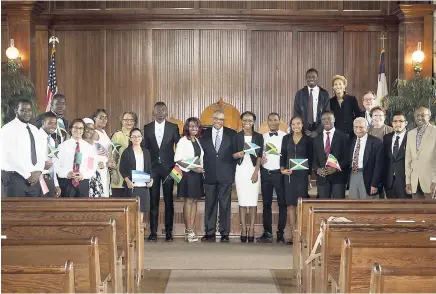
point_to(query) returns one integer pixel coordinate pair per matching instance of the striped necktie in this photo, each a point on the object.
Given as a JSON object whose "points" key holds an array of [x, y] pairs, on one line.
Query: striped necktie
{"points": [[217, 141]]}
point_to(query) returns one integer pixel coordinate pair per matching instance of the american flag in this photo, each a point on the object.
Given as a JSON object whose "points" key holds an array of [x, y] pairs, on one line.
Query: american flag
{"points": [[100, 149], [52, 86]]}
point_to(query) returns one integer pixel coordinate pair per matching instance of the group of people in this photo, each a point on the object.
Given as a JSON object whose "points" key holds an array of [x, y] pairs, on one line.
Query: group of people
{"points": [[52, 157]]}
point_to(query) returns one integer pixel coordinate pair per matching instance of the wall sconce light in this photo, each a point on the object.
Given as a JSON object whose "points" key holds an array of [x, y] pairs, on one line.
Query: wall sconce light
{"points": [[417, 58], [12, 52]]}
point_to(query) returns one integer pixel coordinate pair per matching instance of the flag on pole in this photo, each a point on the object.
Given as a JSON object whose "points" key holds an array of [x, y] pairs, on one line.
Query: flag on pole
{"points": [[270, 148], [250, 148], [333, 162], [382, 86], [140, 177], [52, 84], [298, 164], [176, 173]]}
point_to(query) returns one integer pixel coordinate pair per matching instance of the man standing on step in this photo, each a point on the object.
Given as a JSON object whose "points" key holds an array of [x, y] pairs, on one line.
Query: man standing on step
{"points": [[219, 175], [160, 137], [272, 179]]}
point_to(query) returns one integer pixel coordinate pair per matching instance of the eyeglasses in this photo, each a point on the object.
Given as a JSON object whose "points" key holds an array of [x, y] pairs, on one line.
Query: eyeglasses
{"points": [[136, 137], [128, 120], [78, 128], [368, 100]]}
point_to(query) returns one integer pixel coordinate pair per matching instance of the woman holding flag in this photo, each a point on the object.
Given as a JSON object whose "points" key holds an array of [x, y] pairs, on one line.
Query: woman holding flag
{"points": [[135, 168], [295, 165], [189, 158], [248, 150]]}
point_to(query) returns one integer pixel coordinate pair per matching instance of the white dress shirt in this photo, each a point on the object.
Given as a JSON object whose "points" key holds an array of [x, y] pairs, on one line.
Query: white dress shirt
{"points": [[220, 134], [361, 150], [139, 158], [159, 129], [49, 139], [64, 163], [315, 95], [273, 161], [16, 152], [368, 117], [399, 140], [331, 133]]}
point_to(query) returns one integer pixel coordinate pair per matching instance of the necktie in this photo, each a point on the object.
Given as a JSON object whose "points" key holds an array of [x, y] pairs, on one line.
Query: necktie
{"points": [[76, 165], [217, 141], [356, 157], [396, 147], [32, 146], [49, 151], [327, 145], [310, 108], [273, 134]]}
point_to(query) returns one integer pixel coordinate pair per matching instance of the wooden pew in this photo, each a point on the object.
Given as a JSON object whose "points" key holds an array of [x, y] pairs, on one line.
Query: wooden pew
{"points": [[357, 259], [387, 279], [376, 215], [38, 279], [120, 215], [133, 204], [335, 233], [83, 252], [104, 231], [303, 214]]}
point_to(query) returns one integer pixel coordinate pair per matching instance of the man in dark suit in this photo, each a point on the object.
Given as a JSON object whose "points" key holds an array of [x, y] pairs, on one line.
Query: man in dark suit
{"points": [[219, 175], [310, 102], [366, 161], [57, 106], [395, 158], [160, 137], [330, 181]]}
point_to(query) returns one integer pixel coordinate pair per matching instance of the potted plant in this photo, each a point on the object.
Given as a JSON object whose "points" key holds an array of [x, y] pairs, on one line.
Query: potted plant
{"points": [[407, 95]]}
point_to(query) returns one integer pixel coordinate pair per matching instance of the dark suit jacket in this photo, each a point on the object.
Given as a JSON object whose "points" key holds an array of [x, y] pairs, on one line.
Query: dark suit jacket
{"points": [[128, 163], [394, 165], [300, 107], [346, 113], [38, 123], [166, 151], [238, 146], [340, 147], [372, 163], [218, 167]]}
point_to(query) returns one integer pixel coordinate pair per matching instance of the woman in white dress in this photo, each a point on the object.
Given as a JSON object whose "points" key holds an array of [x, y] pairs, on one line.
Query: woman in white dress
{"points": [[247, 178], [100, 119]]}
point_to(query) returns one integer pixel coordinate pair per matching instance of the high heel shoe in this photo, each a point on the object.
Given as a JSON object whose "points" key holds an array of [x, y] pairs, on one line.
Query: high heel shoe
{"points": [[244, 237], [251, 238]]}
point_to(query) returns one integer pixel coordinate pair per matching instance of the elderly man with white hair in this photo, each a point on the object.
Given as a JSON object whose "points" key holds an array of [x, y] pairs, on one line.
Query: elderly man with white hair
{"points": [[366, 161]]}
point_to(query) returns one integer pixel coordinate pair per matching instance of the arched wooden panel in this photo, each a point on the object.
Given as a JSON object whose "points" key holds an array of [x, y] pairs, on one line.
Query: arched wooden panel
{"points": [[232, 114]]}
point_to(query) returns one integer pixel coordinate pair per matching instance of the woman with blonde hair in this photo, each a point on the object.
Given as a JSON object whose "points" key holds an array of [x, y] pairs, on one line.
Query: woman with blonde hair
{"points": [[378, 128], [345, 107]]}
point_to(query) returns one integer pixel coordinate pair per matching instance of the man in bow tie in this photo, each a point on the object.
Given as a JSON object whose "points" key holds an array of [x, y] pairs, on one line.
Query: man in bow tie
{"points": [[271, 178], [58, 107]]}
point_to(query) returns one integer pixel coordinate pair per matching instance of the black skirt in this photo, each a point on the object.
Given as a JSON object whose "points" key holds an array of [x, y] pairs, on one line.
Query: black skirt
{"points": [[296, 186], [191, 185], [144, 197]]}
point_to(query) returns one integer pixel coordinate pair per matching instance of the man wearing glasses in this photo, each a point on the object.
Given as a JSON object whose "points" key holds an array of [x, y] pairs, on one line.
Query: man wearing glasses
{"points": [[394, 145], [219, 176], [421, 157], [368, 103]]}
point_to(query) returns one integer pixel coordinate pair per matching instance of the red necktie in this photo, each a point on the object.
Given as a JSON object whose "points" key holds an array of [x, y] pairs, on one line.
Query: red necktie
{"points": [[76, 166], [327, 145]]}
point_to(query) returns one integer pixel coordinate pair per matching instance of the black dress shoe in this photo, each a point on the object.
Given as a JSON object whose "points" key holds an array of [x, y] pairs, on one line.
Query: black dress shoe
{"points": [[208, 238], [280, 238], [251, 239], [266, 237], [169, 237], [225, 238], [152, 237]]}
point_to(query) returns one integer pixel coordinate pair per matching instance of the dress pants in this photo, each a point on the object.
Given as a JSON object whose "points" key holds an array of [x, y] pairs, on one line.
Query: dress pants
{"points": [[14, 185], [420, 194], [217, 194], [50, 185], [398, 190], [357, 187], [331, 191], [68, 190], [161, 175], [271, 180]]}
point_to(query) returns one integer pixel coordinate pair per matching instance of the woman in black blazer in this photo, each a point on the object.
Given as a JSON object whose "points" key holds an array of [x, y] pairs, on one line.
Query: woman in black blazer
{"points": [[345, 107], [137, 157], [247, 173], [296, 145]]}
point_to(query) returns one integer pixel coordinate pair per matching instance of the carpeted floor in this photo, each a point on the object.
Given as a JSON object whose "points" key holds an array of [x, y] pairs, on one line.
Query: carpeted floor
{"points": [[179, 267]]}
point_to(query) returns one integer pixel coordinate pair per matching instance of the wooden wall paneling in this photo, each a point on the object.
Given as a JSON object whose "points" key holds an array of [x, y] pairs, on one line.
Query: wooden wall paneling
{"points": [[149, 84], [172, 4], [401, 49], [127, 4], [282, 5], [67, 5], [42, 59], [318, 5], [126, 75], [362, 5], [223, 4], [361, 55], [223, 68], [4, 42], [318, 50], [273, 78], [391, 58], [173, 71], [80, 71]]}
